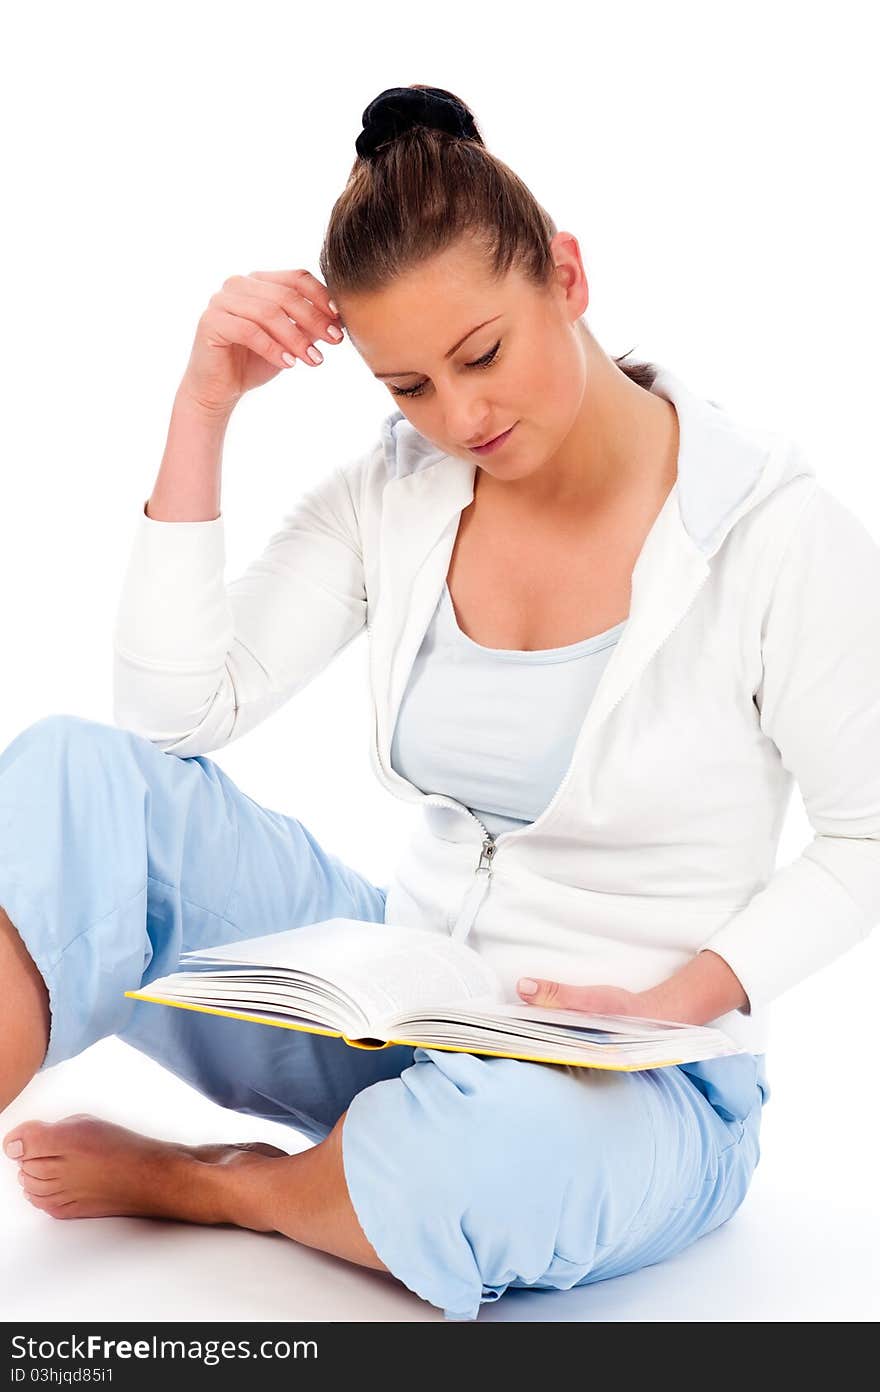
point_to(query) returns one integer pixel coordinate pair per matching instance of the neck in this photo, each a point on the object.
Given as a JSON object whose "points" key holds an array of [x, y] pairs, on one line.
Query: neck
{"points": [[623, 439]]}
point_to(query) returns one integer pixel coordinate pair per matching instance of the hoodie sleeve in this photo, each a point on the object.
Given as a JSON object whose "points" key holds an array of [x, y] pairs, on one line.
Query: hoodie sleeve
{"points": [[197, 662], [819, 701]]}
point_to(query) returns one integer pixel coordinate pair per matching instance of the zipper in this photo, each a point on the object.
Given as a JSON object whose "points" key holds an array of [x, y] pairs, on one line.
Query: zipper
{"points": [[476, 891], [479, 885]]}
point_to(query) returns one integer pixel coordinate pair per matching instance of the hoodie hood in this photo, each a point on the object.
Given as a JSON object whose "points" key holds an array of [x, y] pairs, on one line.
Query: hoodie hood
{"points": [[725, 468]]}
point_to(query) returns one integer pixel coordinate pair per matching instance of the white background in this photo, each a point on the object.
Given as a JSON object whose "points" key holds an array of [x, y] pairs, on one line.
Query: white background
{"points": [[715, 165]]}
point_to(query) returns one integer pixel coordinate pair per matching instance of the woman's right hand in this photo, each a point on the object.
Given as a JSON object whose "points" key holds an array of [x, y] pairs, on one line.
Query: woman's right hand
{"points": [[247, 327]]}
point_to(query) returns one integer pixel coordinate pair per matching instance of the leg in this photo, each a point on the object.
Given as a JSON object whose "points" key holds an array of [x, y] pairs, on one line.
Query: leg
{"points": [[104, 1169], [471, 1175], [24, 1020], [467, 1176], [304, 1196], [78, 846], [116, 857]]}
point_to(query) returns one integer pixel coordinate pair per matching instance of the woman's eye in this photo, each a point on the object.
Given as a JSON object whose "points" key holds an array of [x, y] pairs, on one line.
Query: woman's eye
{"points": [[485, 361]]}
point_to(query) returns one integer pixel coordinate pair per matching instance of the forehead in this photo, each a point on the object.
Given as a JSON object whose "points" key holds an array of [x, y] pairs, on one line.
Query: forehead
{"points": [[426, 309]]}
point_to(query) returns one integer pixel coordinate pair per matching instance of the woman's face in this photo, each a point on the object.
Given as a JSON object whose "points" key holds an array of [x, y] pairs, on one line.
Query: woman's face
{"points": [[461, 385]]}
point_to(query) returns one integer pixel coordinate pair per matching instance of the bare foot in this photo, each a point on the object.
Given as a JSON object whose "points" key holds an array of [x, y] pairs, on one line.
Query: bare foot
{"points": [[83, 1167]]}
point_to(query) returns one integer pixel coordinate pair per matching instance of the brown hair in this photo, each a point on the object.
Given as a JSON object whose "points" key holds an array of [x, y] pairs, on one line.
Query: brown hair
{"points": [[422, 191]]}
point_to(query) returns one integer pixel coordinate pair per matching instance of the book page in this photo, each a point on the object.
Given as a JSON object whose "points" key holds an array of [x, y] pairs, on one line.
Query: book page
{"points": [[611, 1041], [384, 967], [630, 1026]]}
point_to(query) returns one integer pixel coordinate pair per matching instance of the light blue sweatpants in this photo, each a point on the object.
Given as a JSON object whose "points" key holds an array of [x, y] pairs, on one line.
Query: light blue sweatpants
{"points": [[468, 1174]]}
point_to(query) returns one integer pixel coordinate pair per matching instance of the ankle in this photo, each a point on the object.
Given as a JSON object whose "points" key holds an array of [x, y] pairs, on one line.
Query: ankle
{"points": [[211, 1195]]}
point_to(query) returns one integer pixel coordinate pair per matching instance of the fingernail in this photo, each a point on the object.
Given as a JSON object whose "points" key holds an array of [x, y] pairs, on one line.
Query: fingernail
{"points": [[289, 359], [313, 353], [333, 332], [14, 1149], [333, 306], [527, 986]]}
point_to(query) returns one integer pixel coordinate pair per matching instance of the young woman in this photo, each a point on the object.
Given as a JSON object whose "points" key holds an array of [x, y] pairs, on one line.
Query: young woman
{"points": [[609, 626]]}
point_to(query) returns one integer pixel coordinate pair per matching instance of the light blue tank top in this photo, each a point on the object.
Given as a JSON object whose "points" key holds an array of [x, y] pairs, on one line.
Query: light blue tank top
{"points": [[494, 728]]}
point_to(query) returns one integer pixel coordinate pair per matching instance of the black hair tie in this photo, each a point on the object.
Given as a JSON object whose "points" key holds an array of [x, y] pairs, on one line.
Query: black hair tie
{"points": [[398, 109]]}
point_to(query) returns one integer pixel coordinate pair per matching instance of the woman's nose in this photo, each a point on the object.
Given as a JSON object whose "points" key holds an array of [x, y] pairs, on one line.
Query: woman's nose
{"points": [[468, 422]]}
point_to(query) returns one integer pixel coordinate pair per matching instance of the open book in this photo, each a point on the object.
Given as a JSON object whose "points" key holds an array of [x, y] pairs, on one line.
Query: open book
{"points": [[377, 984]]}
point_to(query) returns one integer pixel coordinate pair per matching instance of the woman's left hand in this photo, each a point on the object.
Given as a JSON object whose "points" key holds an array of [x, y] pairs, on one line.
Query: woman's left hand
{"points": [[598, 1000]]}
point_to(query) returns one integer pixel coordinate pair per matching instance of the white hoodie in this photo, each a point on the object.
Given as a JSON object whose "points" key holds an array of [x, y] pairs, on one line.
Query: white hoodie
{"points": [[750, 658]]}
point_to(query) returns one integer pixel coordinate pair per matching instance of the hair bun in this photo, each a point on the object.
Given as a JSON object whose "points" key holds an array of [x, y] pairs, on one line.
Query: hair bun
{"points": [[399, 109]]}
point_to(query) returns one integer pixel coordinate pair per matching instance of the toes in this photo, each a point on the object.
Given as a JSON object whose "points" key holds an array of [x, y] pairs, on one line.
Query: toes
{"points": [[44, 1167], [52, 1208], [13, 1141], [30, 1139], [43, 1188]]}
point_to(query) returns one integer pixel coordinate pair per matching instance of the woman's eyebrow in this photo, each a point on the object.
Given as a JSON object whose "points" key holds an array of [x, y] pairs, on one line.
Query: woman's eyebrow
{"points": [[410, 373]]}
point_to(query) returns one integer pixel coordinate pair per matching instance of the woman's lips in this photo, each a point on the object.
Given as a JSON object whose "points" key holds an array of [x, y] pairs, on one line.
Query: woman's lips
{"points": [[493, 444]]}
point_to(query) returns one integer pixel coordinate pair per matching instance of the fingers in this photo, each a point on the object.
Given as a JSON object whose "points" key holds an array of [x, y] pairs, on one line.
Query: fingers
{"points": [[289, 288], [538, 992], [249, 333], [304, 283], [277, 315], [267, 300], [270, 324]]}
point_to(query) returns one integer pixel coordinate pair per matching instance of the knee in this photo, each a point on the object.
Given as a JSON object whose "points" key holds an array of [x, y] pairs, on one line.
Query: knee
{"points": [[64, 736], [458, 1172], [64, 727], [66, 758]]}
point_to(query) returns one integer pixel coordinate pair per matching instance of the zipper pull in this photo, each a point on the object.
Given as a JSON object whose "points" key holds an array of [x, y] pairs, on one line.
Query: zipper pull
{"points": [[486, 855], [477, 891]]}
